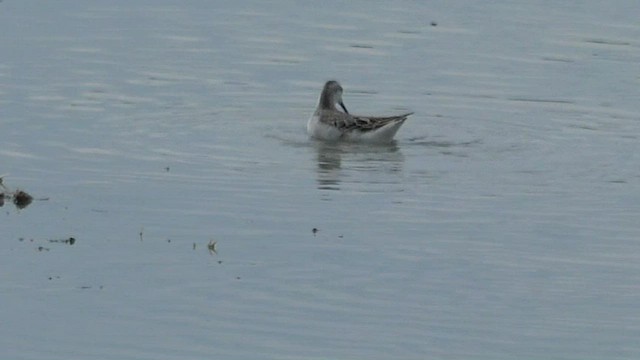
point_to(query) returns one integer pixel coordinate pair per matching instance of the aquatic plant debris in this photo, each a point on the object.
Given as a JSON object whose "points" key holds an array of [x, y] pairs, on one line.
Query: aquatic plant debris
{"points": [[21, 199], [71, 240]]}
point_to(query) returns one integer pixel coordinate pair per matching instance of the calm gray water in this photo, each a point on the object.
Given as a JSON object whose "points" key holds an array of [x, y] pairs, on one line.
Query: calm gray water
{"points": [[502, 223]]}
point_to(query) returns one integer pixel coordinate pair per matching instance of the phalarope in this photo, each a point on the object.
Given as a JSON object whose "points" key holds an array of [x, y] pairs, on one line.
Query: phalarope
{"points": [[328, 123]]}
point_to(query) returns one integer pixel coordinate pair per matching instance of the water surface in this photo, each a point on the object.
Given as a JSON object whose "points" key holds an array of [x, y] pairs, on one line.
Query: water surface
{"points": [[502, 222]]}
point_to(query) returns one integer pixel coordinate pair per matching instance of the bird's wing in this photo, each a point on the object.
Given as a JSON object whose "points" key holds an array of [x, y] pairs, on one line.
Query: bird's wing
{"points": [[348, 122]]}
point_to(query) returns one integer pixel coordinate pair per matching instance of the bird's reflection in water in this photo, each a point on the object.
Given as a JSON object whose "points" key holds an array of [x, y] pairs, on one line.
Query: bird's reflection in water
{"points": [[329, 163], [338, 160]]}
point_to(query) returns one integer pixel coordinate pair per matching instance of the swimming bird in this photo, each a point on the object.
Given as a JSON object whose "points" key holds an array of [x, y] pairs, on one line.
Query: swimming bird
{"points": [[329, 123]]}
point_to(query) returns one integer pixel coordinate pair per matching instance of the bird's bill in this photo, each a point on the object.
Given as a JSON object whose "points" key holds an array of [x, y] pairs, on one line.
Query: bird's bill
{"points": [[343, 107]]}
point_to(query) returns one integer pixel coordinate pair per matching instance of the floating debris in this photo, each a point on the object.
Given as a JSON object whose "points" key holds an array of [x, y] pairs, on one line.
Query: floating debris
{"points": [[314, 231], [71, 240], [21, 199]]}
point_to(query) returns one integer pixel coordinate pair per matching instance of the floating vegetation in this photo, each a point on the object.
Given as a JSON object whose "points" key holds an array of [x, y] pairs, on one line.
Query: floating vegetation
{"points": [[70, 241], [21, 199]]}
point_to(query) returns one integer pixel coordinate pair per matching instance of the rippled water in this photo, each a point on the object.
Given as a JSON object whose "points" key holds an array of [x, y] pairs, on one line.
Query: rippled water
{"points": [[501, 224]]}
